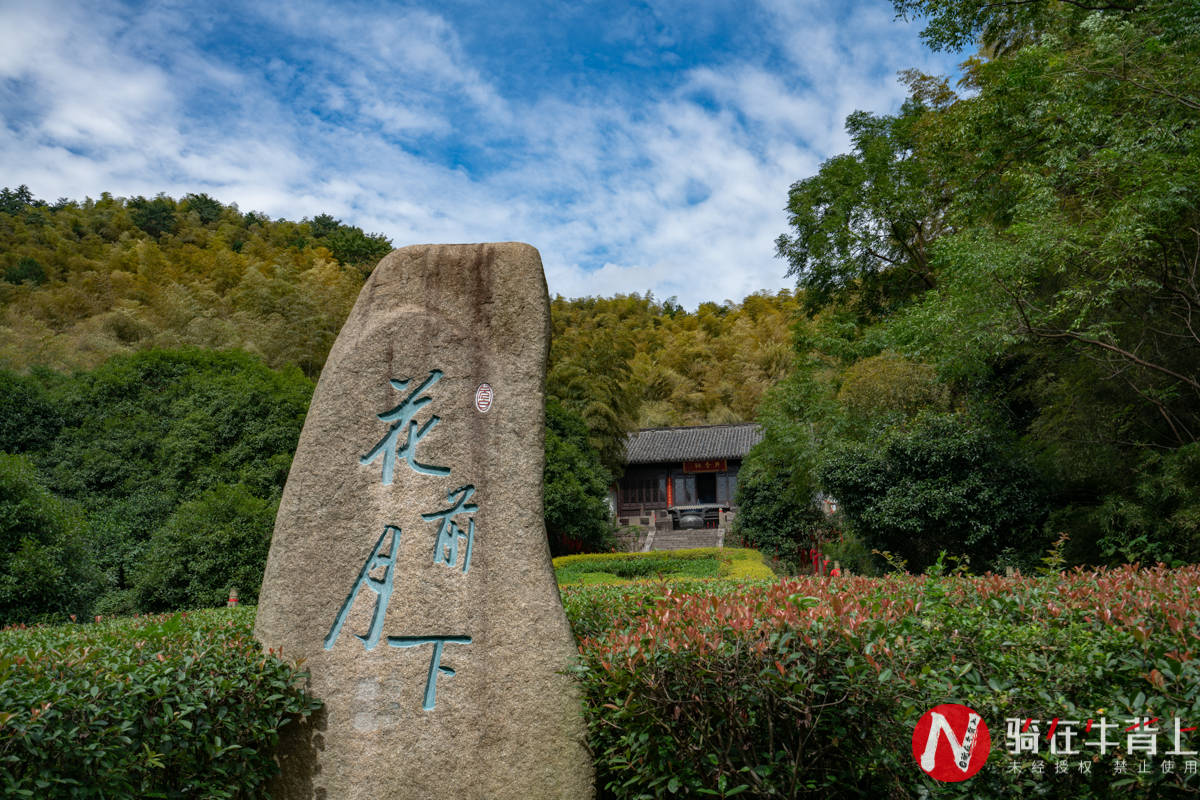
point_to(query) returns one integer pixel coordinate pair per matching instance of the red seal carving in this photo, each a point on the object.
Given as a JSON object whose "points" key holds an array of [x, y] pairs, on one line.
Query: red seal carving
{"points": [[483, 398]]}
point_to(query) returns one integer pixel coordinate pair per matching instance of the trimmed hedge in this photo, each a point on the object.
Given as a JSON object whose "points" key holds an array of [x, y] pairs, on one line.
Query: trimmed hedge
{"points": [[694, 688], [179, 706], [701, 562], [813, 686]]}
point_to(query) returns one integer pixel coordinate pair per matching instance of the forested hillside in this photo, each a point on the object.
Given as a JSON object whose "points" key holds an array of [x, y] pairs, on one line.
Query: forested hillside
{"points": [[632, 362], [992, 352], [157, 357], [1002, 335], [86, 280]]}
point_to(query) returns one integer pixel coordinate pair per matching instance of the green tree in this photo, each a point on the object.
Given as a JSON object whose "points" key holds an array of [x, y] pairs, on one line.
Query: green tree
{"points": [[210, 544], [46, 571], [26, 270], [14, 201], [324, 225], [778, 486], [29, 420], [575, 484], [143, 434], [1030, 248], [941, 484], [205, 207], [1159, 521], [863, 224], [890, 386], [351, 246], [348, 243], [156, 217]]}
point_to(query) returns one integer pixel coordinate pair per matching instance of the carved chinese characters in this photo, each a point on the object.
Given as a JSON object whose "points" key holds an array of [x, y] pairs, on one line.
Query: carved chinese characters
{"points": [[409, 564]]}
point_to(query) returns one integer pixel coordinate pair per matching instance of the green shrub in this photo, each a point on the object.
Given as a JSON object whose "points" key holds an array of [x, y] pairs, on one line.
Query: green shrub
{"points": [[217, 541], [183, 706], [45, 571], [1161, 520], [142, 435], [595, 610], [773, 520], [701, 562], [26, 270], [941, 483], [28, 419], [851, 552], [813, 686], [575, 484]]}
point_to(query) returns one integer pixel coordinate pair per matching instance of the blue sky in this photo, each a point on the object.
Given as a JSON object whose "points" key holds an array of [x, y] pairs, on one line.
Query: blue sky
{"points": [[640, 146]]}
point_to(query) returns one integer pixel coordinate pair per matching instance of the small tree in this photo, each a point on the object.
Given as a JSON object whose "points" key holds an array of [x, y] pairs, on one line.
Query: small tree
{"points": [[156, 217], [208, 209], [218, 540], [26, 270], [941, 484], [45, 572], [773, 519], [575, 483]]}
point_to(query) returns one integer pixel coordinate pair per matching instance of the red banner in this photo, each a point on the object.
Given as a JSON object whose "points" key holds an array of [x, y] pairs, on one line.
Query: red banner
{"points": [[712, 465]]}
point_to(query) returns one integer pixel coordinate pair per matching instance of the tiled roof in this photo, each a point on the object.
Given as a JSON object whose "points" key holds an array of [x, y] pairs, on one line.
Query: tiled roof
{"points": [[659, 445]]}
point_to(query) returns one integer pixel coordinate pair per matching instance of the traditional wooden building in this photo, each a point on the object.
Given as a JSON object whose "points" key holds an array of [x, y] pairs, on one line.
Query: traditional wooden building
{"points": [[682, 477]]}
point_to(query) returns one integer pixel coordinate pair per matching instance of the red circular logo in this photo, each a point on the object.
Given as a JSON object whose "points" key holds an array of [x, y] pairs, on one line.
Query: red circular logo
{"points": [[951, 742], [483, 398]]}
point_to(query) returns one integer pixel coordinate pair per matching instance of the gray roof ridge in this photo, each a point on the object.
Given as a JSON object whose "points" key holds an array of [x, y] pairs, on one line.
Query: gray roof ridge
{"points": [[693, 427], [691, 442]]}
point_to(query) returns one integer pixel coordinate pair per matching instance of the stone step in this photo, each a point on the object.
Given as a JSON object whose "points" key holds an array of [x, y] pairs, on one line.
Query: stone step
{"points": [[687, 540]]}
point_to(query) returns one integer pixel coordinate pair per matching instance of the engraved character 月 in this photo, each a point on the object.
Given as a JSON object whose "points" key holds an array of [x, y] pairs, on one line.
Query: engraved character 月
{"points": [[381, 586]]}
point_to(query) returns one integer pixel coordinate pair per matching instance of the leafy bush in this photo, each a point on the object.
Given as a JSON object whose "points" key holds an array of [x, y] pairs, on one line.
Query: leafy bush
{"points": [[941, 484], [183, 706], [777, 487], [812, 687], [45, 571], [1161, 520], [655, 565], [575, 483], [851, 553], [217, 541], [28, 419], [595, 610], [142, 436], [773, 520], [26, 270], [156, 217]]}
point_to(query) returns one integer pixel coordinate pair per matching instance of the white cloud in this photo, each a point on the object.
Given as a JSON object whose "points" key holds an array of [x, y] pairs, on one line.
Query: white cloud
{"points": [[676, 188]]}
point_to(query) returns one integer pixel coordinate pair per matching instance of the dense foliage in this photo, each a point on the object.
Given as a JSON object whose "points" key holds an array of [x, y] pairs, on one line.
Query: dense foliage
{"points": [[86, 280], [1021, 255], [936, 486], [168, 706], [45, 570], [633, 362], [208, 546], [574, 485], [159, 471], [812, 687], [150, 482]]}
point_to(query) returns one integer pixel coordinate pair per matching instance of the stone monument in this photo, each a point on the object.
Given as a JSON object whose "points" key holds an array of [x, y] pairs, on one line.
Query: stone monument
{"points": [[409, 564]]}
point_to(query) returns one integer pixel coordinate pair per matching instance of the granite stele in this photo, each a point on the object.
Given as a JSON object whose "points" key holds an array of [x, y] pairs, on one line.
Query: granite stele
{"points": [[409, 565]]}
